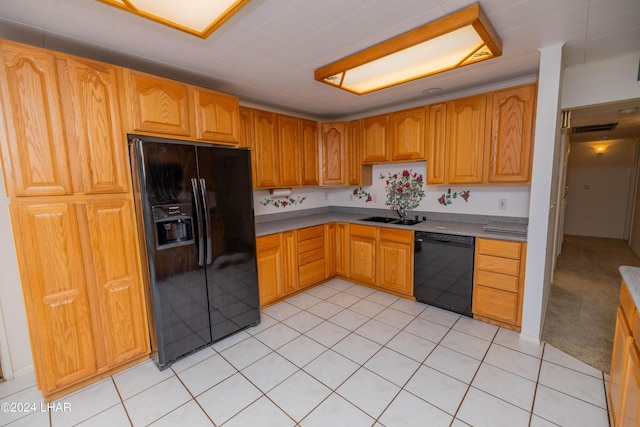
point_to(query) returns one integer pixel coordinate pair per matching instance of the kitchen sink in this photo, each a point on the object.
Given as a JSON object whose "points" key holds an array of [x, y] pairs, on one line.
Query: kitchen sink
{"points": [[383, 219], [387, 220]]}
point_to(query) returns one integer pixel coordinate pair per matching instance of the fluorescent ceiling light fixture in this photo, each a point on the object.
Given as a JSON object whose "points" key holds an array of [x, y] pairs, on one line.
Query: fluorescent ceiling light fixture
{"points": [[197, 17], [461, 38]]}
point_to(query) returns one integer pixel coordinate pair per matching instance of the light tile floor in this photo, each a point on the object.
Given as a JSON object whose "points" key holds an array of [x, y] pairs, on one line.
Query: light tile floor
{"points": [[340, 355]]}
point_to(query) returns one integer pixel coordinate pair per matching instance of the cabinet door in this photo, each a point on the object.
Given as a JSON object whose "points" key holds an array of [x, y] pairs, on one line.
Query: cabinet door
{"points": [[334, 154], [362, 253], [395, 260], [247, 137], [270, 261], [216, 116], [92, 91], [509, 145], [375, 139], [290, 150], [622, 342], [408, 135], [157, 105], [330, 250], [267, 154], [436, 144], [34, 142], [114, 280], [290, 262], [52, 273], [465, 137], [630, 410], [342, 249], [309, 136]]}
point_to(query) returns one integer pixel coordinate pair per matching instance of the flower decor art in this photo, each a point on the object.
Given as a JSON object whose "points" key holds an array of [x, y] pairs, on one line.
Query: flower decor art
{"points": [[288, 201], [404, 191], [361, 194], [447, 198]]}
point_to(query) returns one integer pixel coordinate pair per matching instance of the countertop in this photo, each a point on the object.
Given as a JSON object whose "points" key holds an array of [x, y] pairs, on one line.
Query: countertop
{"points": [[438, 226], [631, 276]]}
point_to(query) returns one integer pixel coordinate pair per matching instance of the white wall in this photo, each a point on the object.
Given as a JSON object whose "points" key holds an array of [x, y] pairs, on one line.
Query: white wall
{"points": [[599, 82], [598, 189], [15, 347]]}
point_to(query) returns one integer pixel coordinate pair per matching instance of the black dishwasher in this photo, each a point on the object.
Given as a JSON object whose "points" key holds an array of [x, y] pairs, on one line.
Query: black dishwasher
{"points": [[443, 271]]}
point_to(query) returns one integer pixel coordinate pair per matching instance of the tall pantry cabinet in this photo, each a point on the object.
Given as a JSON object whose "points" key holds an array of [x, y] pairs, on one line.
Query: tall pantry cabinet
{"points": [[66, 173]]}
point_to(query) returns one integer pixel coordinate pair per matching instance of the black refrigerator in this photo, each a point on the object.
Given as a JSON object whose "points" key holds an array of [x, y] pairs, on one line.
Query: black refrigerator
{"points": [[195, 204]]}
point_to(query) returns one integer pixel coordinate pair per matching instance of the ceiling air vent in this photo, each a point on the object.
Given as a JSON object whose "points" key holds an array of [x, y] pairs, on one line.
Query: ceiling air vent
{"points": [[595, 128]]}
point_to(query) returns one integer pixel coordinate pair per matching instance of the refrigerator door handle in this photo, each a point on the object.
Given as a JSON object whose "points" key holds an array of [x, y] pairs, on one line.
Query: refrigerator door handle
{"points": [[207, 219], [199, 214]]}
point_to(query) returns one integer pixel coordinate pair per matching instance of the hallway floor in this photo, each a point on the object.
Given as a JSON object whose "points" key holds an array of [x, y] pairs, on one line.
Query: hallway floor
{"points": [[338, 355], [581, 315]]}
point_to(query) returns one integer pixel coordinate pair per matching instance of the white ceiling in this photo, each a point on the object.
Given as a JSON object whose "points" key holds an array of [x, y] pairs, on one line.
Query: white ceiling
{"points": [[267, 53]]}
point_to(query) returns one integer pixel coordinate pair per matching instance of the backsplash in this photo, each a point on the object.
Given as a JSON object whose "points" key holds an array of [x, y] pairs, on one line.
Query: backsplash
{"points": [[483, 199]]}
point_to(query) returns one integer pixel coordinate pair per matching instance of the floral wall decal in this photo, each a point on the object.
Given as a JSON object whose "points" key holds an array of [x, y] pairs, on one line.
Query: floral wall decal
{"points": [[361, 194], [447, 198], [404, 191], [288, 201]]}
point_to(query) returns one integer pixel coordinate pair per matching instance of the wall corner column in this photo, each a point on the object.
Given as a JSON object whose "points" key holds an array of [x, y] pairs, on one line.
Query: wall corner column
{"points": [[543, 188]]}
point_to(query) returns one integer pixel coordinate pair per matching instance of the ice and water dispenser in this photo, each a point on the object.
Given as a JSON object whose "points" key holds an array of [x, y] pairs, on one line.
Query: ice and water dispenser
{"points": [[173, 225]]}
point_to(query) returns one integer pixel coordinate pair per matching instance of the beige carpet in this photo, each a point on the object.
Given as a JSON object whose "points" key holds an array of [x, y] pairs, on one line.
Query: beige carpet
{"points": [[581, 315]]}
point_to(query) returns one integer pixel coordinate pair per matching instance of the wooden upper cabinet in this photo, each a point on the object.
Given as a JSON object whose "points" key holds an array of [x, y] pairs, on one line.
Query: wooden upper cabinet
{"points": [[408, 134], [334, 154], [94, 125], [55, 294], [465, 138], [114, 280], [157, 105], [216, 116], [435, 143], [290, 150], [266, 150], [247, 137], [375, 139], [34, 142], [509, 146], [309, 136]]}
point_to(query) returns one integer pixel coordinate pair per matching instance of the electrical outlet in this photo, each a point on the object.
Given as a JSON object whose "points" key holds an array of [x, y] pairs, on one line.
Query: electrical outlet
{"points": [[502, 204]]}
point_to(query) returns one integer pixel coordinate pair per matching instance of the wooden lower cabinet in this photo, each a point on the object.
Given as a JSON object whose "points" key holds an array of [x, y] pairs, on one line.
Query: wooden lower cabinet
{"points": [[311, 256], [362, 253], [395, 260], [498, 282], [277, 257], [342, 249], [80, 268], [624, 386]]}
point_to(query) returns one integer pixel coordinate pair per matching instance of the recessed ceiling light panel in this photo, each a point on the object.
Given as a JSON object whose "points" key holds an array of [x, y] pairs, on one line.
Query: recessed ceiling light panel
{"points": [[459, 39], [197, 17]]}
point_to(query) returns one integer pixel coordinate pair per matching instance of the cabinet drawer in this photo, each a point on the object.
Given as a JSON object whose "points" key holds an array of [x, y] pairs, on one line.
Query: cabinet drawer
{"points": [[498, 265], [310, 232], [310, 245], [496, 280], [499, 248], [395, 235], [310, 256], [628, 306], [495, 303], [311, 273], [267, 242], [362, 230]]}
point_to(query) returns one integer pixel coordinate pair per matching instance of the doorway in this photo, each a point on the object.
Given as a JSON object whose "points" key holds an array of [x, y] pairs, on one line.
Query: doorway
{"points": [[600, 188]]}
